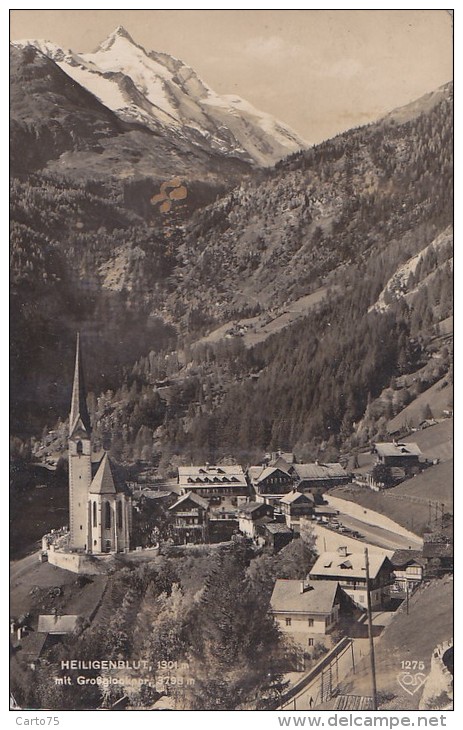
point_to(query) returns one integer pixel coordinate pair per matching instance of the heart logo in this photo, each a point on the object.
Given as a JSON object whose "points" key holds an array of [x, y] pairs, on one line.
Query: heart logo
{"points": [[411, 683]]}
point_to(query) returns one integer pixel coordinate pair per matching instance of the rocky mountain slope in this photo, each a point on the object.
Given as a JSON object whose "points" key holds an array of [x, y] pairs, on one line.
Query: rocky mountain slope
{"points": [[167, 97], [411, 276], [267, 243], [340, 219], [60, 128]]}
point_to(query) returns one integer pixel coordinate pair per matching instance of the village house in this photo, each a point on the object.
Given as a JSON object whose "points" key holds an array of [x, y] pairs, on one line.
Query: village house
{"points": [[393, 476], [408, 572], [277, 477], [348, 569], [319, 477], [324, 513], [154, 498], [253, 514], [296, 505], [32, 647], [190, 519], [57, 625], [286, 457], [269, 483], [307, 611], [438, 554], [223, 522], [276, 535], [214, 483], [396, 454]]}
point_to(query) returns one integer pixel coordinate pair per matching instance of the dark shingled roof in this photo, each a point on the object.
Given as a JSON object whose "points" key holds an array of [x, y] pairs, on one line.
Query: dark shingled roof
{"points": [[192, 497], [404, 557], [437, 550], [278, 527], [252, 507], [320, 471], [296, 497], [107, 479], [103, 482], [32, 645]]}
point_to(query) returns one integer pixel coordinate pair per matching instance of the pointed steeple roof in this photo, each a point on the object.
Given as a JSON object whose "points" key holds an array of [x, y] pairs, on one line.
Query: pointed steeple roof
{"points": [[79, 411], [103, 481]]}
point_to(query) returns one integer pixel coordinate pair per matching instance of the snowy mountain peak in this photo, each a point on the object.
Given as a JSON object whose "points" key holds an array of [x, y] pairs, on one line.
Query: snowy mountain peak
{"points": [[162, 93], [119, 32]]}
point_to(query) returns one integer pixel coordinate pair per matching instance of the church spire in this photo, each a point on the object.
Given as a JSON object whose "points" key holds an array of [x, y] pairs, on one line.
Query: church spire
{"points": [[79, 396]]}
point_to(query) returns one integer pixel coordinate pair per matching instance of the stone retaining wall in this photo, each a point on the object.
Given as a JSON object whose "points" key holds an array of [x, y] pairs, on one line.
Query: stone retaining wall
{"points": [[438, 688], [77, 563], [371, 517]]}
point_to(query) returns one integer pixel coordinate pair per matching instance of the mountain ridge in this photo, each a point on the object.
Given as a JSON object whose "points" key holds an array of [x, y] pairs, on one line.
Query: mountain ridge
{"points": [[353, 208], [161, 92], [59, 127]]}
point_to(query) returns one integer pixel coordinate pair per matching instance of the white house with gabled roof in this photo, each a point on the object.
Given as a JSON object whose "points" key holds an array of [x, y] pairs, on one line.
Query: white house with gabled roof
{"points": [[349, 570], [305, 610]]}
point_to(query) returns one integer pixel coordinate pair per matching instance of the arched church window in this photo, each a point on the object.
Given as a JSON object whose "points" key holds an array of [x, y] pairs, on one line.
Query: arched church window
{"points": [[94, 514], [119, 515], [107, 521], [80, 447]]}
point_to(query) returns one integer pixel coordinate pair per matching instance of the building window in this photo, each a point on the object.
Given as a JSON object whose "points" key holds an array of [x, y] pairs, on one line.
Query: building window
{"points": [[310, 621], [94, 514], [94, 542], [107, 517], [310, 642], [288, 622], [119, 515], [79, 447]]}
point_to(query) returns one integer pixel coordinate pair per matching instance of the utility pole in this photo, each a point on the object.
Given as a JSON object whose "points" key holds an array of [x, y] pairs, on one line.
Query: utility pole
{"points": [[370, 634]]}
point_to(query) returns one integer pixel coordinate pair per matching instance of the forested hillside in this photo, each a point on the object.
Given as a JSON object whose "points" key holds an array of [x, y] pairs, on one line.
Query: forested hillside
{"points": [[268, 242], [347, 215], [61, 233], [325, 381], [318, 386]]}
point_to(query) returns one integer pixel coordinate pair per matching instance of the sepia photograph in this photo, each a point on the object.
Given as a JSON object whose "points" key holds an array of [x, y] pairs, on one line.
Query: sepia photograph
{"points": [[231, 361]]}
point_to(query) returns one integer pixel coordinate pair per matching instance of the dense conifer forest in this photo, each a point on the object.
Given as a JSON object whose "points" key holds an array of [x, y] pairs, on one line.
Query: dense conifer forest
{"points": [[344, 215]]}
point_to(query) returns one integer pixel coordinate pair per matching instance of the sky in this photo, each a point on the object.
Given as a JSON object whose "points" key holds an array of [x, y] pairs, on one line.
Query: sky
{"points": [[320, 71]]}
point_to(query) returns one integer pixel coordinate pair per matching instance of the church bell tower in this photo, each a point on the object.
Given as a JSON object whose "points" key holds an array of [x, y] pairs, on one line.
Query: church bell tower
{"points": [[80, 466]]}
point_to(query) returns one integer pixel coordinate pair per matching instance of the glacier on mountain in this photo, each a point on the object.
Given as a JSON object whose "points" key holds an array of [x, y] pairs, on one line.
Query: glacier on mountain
{"points": [[160, 91]]}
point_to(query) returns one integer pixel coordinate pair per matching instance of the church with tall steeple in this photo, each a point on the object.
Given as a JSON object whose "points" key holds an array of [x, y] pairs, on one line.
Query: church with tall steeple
{"points": [[100, 510]]}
